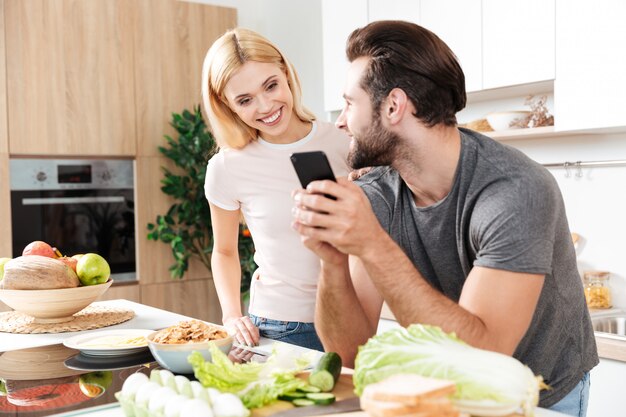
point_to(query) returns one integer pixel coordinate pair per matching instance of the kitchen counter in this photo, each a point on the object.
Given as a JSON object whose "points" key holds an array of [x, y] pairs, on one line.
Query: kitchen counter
{"points": [[611, 348], [146, 317]]}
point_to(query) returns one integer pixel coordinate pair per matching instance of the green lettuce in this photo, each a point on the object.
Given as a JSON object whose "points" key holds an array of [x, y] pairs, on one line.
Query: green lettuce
{"points": [[482, 377], [257, 384]]}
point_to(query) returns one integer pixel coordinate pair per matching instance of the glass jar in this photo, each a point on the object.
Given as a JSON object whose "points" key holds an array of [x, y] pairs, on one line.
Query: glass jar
{"points": [[597, 290]]}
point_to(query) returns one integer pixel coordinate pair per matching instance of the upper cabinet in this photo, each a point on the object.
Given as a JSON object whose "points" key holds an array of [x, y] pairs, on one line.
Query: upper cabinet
{"points": [[499, 43], [460, 28], [171, 41], [70, 77], [4, 139], [102, 77], [518, 42], [590, 85], [339, 19]]}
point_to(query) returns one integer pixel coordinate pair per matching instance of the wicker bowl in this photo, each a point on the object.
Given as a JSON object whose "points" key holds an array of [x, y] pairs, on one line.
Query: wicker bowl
{"points": [[53, 306]]}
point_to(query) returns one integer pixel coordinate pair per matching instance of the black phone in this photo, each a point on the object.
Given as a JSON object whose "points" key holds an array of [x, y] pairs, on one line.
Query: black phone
{"points": [[312, 166]]}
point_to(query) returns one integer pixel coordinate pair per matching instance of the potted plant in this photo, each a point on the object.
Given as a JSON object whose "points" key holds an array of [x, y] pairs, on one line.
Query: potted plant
{"points": [[186, 227]]}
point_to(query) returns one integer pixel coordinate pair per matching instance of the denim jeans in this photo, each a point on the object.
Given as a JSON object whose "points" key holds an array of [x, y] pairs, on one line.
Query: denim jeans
{"points": [[294, 332], [575, 403]]}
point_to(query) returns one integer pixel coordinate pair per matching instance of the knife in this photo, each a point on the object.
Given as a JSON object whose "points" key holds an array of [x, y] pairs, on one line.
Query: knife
{"points": [[342, 406]]}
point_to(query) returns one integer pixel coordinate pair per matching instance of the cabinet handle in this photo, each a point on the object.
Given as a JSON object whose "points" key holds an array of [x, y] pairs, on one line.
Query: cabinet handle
{"points": [[71, 200]]}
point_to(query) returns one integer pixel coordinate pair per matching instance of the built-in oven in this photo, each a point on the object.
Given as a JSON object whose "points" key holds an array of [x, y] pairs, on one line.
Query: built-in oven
{"points": [[77, 206]]}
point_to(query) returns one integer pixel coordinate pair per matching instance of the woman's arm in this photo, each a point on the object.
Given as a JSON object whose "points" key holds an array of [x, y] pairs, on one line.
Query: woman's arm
{"points": [[227, 274]]}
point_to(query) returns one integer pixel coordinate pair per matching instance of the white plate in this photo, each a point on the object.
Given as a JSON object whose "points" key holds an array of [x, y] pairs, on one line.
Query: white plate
{"points": [[108, 342]]}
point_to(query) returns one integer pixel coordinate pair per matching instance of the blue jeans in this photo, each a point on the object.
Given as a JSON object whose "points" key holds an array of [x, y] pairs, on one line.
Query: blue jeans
{"points": [[575, 403], [294, 332]]}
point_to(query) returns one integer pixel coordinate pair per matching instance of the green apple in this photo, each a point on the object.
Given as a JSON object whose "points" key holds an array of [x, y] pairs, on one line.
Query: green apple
{"points": [[2, 262], [3, 388], [94, 384], [92, 269]]}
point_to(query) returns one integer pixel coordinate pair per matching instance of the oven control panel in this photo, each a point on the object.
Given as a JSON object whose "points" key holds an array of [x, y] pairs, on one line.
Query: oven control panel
{"points": [[68, 174]]}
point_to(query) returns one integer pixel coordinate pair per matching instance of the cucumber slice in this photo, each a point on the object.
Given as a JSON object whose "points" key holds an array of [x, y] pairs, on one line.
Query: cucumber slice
{"points": [[290, 396], [303, 402], [326, 372], [321, 398], [309, 388]]}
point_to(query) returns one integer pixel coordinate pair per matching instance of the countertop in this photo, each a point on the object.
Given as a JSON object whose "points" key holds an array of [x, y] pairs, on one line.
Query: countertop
{"points": [[146, 317]]}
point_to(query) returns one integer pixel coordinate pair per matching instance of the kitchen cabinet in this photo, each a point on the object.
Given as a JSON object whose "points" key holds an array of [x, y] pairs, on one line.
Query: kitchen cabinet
{"points": [[70, 77], [499, 43], [590, 87], [6, 250], [170, 43], [195, 298], [460, 27], [4, 139], [606, 397], [339, 19], [518, 42]]}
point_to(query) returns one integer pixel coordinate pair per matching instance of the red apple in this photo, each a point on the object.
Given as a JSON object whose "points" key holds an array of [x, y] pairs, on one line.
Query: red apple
{"points": [[39, 248], [71, 262]]}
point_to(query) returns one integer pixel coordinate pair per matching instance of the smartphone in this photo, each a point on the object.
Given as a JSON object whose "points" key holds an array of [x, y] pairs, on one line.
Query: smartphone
{"points": [[312, 166]]}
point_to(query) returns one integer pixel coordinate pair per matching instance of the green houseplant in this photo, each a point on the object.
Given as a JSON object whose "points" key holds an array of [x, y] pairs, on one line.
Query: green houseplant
{"points": [[186, 227]]}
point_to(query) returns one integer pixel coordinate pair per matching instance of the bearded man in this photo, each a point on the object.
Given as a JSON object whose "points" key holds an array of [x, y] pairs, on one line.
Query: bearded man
{"points": [[450, 228]]}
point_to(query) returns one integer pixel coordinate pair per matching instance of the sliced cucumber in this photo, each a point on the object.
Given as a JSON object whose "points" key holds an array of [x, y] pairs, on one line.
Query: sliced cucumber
{"points": [[302, 402], [309, 388], [321, 398], [290, 396], [326, 372]]}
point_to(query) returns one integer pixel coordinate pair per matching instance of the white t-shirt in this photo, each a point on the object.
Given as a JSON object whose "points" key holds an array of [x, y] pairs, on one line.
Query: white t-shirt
{"points": [[259, 179]]}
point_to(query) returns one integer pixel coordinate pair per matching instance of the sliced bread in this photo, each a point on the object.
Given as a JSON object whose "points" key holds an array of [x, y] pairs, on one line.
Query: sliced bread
{"points": [[409, 389]]}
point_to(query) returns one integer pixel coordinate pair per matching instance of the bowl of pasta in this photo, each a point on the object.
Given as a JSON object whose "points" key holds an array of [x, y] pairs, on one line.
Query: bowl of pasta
{"points": [[172, 346]]}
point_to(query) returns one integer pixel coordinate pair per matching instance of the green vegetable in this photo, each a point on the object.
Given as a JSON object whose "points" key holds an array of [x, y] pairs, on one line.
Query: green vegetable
{"points": [[290, 396], [257, 384], [326, 372], [302, 402], [484, 379], [309, 388], [321, 398]]}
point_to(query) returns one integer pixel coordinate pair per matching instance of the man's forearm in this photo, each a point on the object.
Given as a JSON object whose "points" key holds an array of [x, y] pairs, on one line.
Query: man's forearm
{"points": [[340, 319], [412, 299]]}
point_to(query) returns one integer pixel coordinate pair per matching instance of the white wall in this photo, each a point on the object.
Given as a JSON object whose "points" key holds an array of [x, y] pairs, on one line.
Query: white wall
{"points": [[595, 202], [295, 26]]}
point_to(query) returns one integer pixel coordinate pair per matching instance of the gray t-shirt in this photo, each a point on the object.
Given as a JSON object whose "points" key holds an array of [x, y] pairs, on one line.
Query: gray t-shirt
{"points": [[504, 211]]}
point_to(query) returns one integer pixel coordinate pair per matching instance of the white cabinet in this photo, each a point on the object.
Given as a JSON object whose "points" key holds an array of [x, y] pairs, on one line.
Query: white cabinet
{"points": [[339, 19], [408, 10], [458, 24], [606, 395], [518, 41], [590, 85]]}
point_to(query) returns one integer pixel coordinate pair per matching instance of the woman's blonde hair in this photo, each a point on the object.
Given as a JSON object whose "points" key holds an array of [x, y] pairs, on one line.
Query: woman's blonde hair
{"points": [[227, 54]]}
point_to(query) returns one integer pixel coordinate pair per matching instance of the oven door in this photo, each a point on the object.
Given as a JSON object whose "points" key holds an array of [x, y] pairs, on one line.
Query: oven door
{"points": [[78, 221]]}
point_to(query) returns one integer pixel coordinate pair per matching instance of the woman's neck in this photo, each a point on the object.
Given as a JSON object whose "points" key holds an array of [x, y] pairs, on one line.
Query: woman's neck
{"points": [[296, 130]]}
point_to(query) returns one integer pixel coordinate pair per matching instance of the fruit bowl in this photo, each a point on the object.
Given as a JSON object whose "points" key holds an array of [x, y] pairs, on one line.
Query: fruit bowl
{"points": [[53, 306]]}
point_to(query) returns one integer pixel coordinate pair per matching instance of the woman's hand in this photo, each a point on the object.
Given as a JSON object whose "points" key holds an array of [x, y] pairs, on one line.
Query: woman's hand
{"points": [[245, 333]]}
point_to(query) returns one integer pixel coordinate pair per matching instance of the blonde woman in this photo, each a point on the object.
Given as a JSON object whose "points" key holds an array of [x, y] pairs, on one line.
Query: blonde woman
{"points": [[252, 97]]}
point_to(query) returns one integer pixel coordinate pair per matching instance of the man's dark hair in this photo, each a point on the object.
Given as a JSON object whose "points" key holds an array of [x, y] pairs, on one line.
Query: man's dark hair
{"points": [[407, 56]]}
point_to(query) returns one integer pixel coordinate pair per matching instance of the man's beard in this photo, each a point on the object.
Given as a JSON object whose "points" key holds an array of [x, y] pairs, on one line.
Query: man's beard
{"points": [[374, 147]]}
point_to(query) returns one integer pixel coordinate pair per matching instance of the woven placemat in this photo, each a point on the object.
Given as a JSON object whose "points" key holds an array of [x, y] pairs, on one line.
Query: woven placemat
{"points": [[91, 317]]}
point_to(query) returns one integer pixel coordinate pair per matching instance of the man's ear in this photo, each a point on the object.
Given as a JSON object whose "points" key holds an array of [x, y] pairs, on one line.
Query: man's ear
{"points": [[396, 105]]}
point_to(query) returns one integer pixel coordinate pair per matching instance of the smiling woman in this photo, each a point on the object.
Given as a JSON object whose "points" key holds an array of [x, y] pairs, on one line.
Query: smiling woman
{"points": [[251, 95]]}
